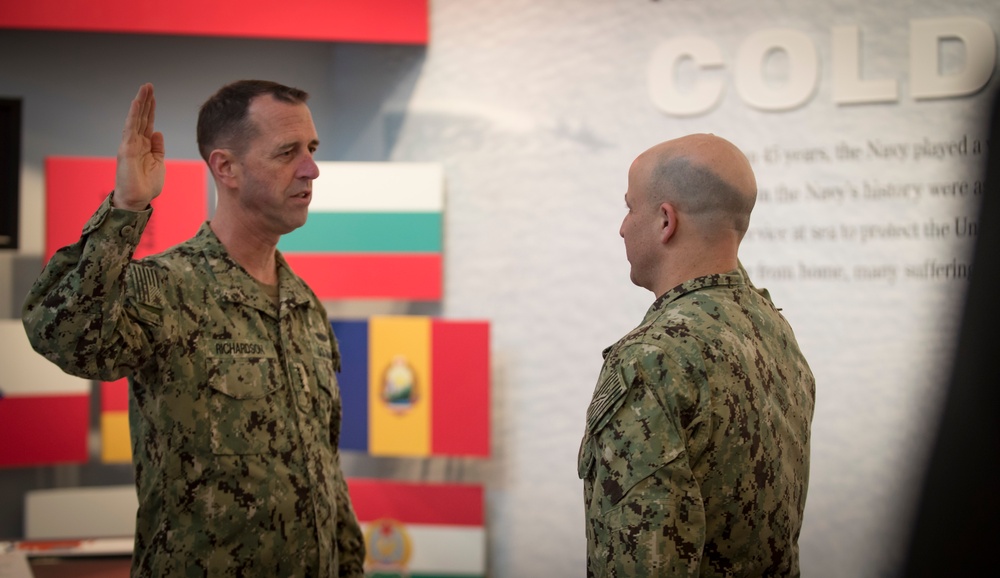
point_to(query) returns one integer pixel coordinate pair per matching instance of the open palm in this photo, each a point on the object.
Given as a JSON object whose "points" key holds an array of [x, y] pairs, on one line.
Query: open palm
{"points": [[140, 169]]}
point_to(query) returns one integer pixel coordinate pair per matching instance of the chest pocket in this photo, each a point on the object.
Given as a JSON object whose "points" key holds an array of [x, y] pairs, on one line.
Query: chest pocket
{"points": [[244, 404]]}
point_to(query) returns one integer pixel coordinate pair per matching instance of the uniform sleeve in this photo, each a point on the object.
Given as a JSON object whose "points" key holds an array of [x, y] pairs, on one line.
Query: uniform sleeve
{"points": [[74, 314], [646, 512]]}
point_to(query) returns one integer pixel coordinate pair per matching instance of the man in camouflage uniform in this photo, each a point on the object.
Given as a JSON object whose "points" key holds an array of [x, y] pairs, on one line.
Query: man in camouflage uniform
{"points": [[695, 458], [234, 405]]}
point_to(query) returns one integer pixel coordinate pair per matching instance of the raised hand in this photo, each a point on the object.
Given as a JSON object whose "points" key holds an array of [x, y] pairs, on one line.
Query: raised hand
{"points": [[140, 170]]}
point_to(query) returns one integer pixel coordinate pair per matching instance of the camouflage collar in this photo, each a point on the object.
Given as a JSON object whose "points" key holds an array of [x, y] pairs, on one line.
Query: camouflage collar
{"points": [[238, 286], [293, 290], [735, 277]]}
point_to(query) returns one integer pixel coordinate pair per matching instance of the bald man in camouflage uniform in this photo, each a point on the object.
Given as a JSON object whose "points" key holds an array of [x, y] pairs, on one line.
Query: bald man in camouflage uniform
{"points": [[695, 458], [234, 405]]}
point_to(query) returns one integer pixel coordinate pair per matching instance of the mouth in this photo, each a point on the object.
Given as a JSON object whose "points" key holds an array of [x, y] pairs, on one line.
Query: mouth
{"points": [[302, 195]]}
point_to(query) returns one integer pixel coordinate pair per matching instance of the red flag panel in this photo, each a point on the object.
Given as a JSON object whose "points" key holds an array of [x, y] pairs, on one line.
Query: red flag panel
{"points": [[416, 503], [76, 186], [43, 430], [114, 395], [460, 408], [370, 276]]}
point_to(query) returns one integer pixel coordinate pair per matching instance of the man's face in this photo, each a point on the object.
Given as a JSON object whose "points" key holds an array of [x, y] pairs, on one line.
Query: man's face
{"points": [[640, 228], [278, 166]]}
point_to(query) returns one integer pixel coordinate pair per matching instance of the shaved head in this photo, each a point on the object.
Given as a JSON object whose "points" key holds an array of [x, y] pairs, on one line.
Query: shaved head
{"points": [[706, 177], [689, 202]]}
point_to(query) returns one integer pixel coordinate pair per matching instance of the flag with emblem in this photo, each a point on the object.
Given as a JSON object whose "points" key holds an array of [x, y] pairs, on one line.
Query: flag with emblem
{"points": [[374, 231], [44, 412], [421, 530], [415, 386], [76, 186]]}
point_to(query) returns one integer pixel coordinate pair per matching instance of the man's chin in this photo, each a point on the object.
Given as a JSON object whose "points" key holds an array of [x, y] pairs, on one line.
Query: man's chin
{"points": [[638, 282], [297, 224]]}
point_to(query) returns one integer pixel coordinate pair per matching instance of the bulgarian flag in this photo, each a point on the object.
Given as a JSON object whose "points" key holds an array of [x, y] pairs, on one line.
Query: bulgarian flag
{"points": [[76, 186], [44, 412], [421, 530], [374, 232], [415, 386]]}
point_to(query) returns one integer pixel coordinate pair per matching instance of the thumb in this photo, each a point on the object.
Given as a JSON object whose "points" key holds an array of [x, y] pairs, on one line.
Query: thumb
{"points": [[156, 145]]}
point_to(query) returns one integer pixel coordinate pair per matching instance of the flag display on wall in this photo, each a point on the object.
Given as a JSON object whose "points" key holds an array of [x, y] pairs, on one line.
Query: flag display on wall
{"points": [[374, 232], [421, 530], [44, 413], [116, 444], [76, 186], [415, 386]]}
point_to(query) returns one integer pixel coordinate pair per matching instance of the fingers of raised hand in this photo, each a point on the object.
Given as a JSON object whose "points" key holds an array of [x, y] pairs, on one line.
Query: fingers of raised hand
{"points": [[141, 113]]}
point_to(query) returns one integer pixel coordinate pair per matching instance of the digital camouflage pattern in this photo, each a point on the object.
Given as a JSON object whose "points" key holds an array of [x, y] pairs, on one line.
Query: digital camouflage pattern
{"points": [[695, 459], [234, 405]]}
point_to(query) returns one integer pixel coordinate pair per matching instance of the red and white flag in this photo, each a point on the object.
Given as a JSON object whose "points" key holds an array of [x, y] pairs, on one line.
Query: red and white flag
{"points": [[44, 412]]}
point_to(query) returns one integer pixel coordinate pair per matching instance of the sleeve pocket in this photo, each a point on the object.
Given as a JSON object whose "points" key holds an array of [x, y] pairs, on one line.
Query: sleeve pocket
{"points": [[608, 397], [629, 438], [146, 295]]}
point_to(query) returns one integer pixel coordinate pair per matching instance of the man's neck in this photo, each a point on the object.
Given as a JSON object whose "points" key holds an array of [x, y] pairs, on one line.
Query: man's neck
{"points": [[254, 253], [693, 269]]}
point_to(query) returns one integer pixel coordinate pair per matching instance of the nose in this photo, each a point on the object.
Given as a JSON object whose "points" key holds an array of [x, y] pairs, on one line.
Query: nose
{"points": [[309, 169]]}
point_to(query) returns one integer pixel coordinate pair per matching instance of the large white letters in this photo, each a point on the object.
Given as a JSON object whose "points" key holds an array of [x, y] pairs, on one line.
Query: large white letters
{"points": [[664, 89], [926, 75], [848, 87], [758, 87], [801, 77]]}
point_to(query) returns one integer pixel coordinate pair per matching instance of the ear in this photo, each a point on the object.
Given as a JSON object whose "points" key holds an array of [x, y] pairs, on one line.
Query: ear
{"points": [[667, 216], [224, 167]]}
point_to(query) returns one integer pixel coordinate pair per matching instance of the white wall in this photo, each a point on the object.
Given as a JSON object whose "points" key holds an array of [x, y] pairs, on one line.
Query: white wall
{"points": [[536, 110]]}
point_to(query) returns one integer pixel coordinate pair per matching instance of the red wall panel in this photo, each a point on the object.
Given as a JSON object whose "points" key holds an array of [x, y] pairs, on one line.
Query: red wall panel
{"points": [[374, 21]]}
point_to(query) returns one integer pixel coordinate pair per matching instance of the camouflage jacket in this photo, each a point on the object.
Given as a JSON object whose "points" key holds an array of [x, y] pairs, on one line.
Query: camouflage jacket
{"points": [[695, 458], [234, 406]]}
